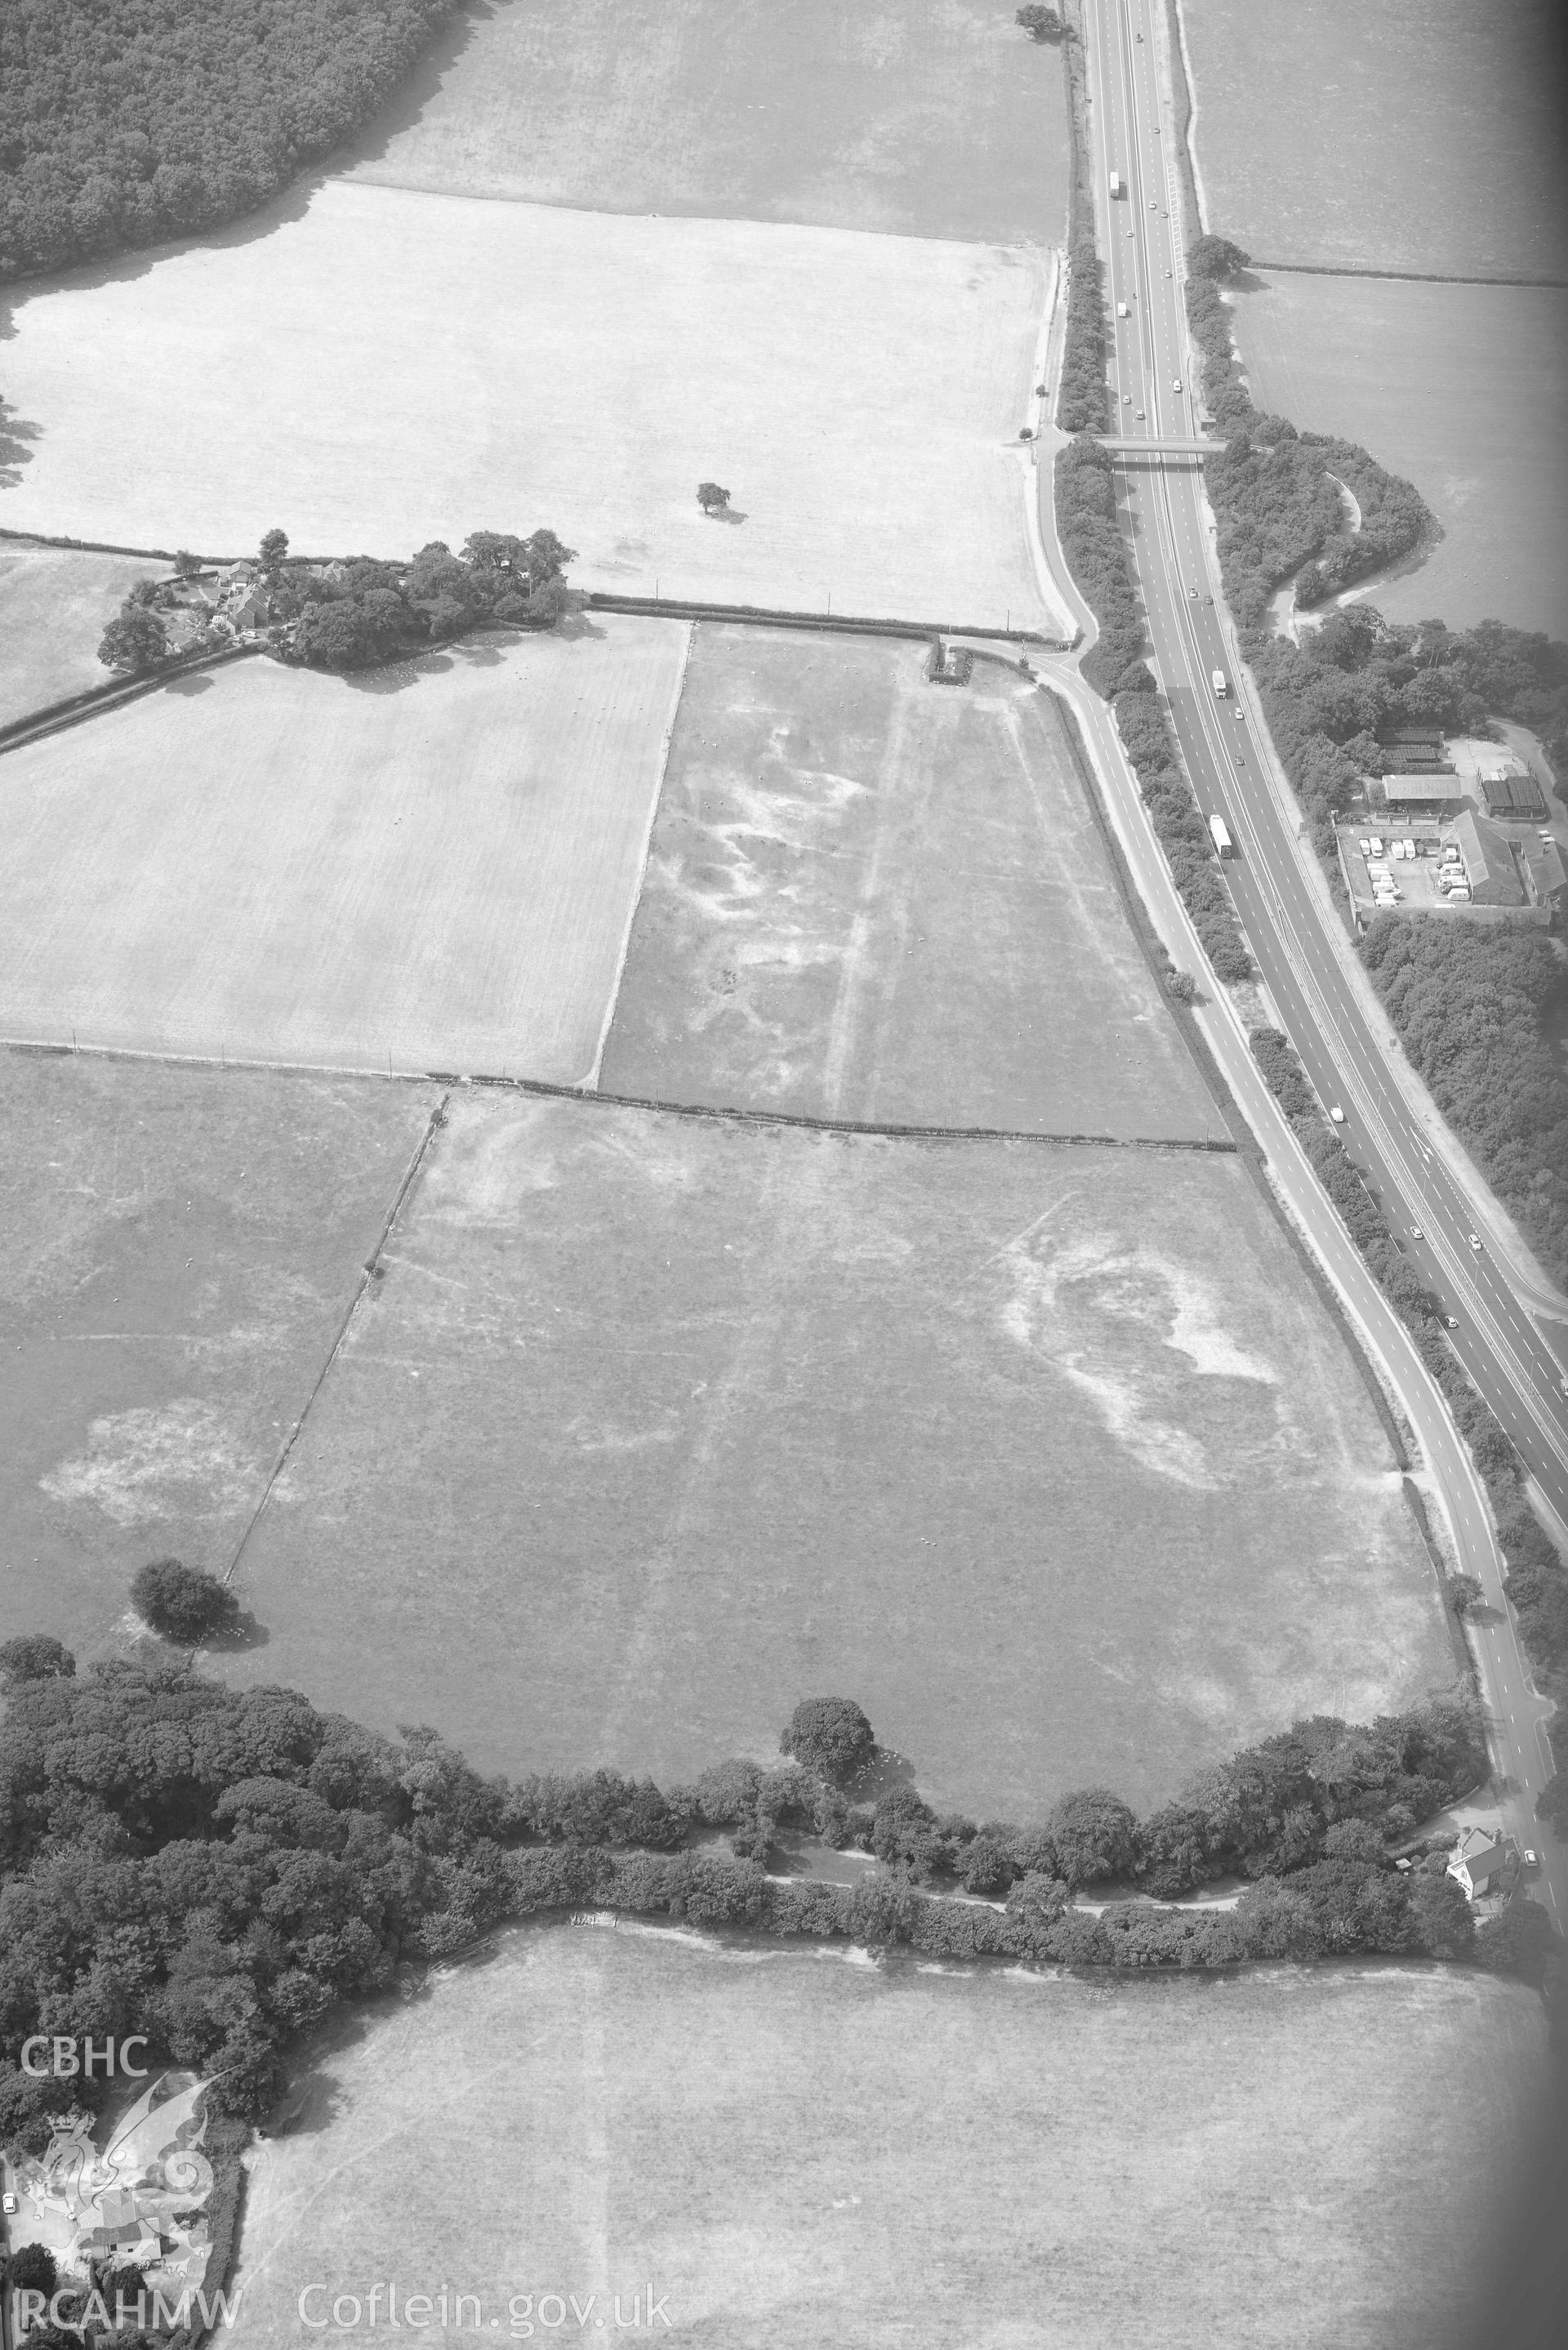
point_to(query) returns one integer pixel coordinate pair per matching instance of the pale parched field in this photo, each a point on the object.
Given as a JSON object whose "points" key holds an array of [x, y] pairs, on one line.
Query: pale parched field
{"points": [[437, 863], [403, 367], [873, 898], [181, 1248], [55, 605], [1419, 135], [1464, 390], [927, 118], [1049, 1456], [781, 2140]]}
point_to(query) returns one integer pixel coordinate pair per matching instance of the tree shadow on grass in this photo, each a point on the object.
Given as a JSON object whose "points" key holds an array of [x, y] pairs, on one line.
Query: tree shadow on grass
{"points": [[395, 677], [185, 687], [242, 1634], [886, 1770], [405, 107]]}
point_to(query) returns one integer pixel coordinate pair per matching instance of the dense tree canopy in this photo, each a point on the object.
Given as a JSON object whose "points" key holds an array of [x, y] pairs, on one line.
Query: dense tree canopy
{"points": [[1476, 1009], [124, 122], [220, 1867]]}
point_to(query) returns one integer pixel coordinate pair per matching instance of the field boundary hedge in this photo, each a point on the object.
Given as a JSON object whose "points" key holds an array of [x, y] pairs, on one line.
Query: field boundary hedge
{"points": [[543, 1089], [687, 608], [368, 1271], [1182, 127], [1408, 276], [36, 725]]}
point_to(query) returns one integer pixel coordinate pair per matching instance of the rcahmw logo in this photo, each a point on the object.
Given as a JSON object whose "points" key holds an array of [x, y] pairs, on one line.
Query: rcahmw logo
{"points": [[66, 2062]]}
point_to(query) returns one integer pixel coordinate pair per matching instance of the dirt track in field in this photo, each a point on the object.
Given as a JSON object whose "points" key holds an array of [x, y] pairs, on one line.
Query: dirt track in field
{"points": [[872, 898]]}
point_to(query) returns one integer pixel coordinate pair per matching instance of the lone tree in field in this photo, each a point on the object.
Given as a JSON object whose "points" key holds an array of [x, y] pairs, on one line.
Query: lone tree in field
{"points": [[34, 1657], [273, 547], [183, 1603], [1215, 256], [711, 498], [829, 1735], [136, 640], [1040, 24]]}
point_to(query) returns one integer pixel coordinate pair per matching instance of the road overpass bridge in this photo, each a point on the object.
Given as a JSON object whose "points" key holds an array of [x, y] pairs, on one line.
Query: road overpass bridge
{"points": [[1126, 445]]}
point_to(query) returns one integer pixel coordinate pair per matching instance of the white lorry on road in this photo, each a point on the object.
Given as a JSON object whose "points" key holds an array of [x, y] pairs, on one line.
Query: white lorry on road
{"points": [[1217, 679]]}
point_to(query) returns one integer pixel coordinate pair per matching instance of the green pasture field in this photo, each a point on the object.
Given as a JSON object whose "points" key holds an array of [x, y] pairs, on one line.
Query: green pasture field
{"points": [[404, 366], [181, 1247], [1048, 1455], [433, 867], [873, 898], [1464, 388], [926, 118], [1418, 135], [55, 605], [795, 2149]]}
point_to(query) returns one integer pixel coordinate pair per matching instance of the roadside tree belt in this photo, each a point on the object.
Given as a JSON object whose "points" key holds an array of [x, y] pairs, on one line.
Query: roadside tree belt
{"points": [[681, 608], [56, 715]]}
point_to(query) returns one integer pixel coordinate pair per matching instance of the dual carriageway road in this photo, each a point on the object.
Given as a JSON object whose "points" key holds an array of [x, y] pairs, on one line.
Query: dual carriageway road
{"points": [[1298, 940]]}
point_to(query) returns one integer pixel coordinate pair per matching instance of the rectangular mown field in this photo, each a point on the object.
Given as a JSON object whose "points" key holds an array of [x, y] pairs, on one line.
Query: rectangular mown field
{"points": [[181, 1248], [1462, 389], [54, 606], [910, 116], [1049, 1456], [433, 867], [777, 2138], [1420, 135], [873, 898], [401, 367]]}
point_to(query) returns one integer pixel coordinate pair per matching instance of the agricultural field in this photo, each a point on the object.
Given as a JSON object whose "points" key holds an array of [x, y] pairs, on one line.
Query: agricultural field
{"points": [[1421, 135], [181, 1248], [1048, 1455], [433, 866], [1464, 388], [55, 605], [772, 2140], [925, 118], [873, 898], [410, 367]]}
